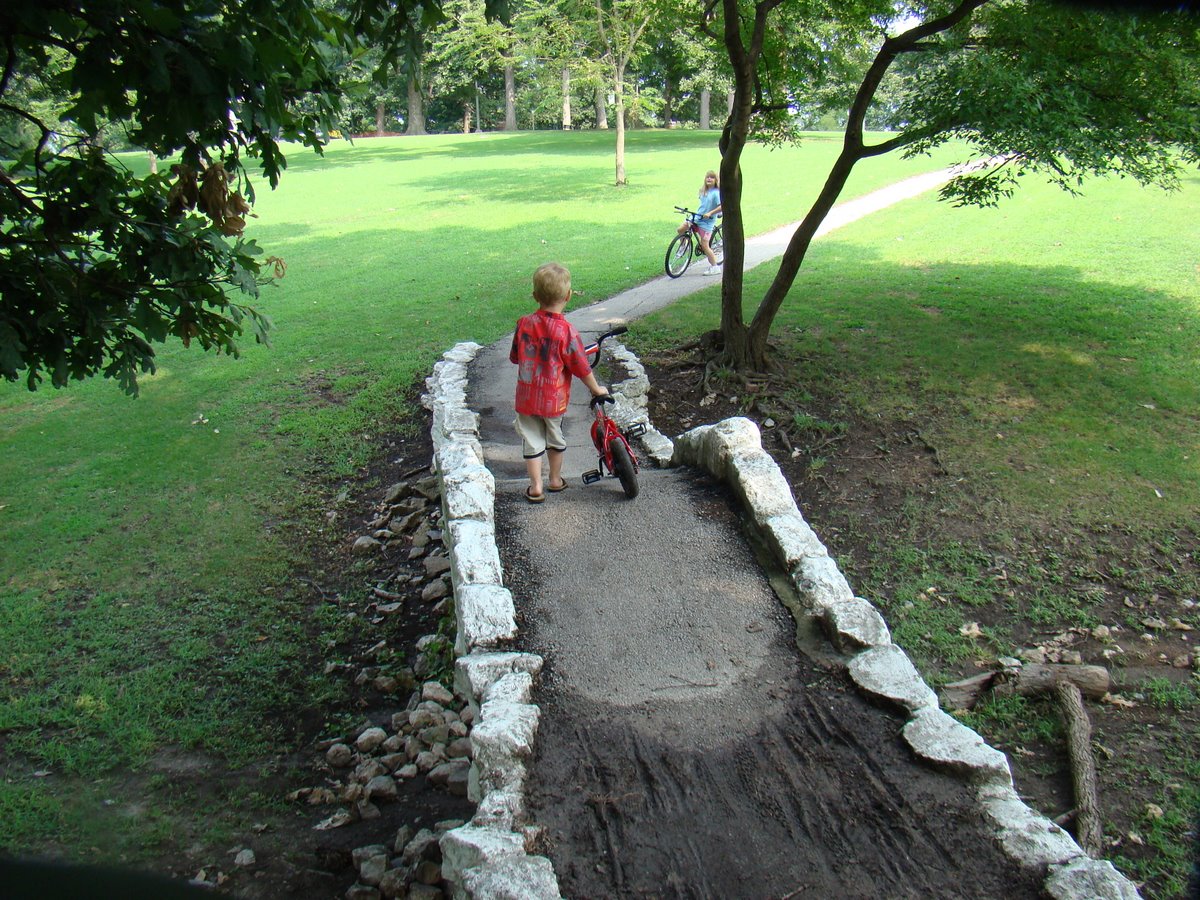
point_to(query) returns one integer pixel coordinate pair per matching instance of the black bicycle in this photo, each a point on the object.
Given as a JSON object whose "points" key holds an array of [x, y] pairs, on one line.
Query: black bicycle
{"points": [[686, 247]]}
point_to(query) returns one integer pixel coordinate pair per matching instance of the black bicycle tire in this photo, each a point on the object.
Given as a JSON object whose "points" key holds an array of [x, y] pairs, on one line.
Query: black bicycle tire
{"points": [[716, 244], [623, 468], [673, 255]]}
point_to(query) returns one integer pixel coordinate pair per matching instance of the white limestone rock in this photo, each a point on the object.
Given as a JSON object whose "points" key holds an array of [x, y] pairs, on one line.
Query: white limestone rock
{"points": [[486, 617], [474, 558], [659, 448], [455, 455], [501, 808], [821, 583], [757, 480], [515, 687], [854, 624], [1025, 835], [888, 673], [711, 447], [502, 741], [948, 744], [791, 539], [1089, 879], [520, 878], [469, 493], [478, 671], [472, 845], [450, 420]]}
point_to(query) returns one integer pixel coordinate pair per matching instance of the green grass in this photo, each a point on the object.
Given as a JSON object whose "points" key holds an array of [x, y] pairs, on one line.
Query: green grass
{"points": [[147, 589], [1049, 350], [1061, 333]]}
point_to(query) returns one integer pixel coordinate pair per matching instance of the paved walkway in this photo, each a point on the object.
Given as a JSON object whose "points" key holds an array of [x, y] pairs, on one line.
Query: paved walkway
{"points": [[694, 741]]}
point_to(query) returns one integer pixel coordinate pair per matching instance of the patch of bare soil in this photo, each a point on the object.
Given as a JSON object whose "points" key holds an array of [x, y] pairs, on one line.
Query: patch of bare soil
{"points": [[858, 479], [687, 749]]}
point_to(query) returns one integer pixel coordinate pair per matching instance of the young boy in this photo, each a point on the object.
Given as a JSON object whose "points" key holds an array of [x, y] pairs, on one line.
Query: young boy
{"points": [[547, 350]]}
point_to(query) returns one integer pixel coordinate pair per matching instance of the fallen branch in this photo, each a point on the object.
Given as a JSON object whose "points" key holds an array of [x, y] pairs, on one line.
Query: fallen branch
{"points": [[1069, 684], [1028, 680], [1037, 678], [1083, 768]]}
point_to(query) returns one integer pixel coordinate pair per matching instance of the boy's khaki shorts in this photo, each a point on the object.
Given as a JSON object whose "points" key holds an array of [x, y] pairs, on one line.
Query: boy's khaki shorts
{"points": [[539, 434]]}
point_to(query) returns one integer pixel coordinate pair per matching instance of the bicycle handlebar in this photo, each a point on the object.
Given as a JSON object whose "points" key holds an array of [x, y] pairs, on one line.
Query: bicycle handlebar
{"points": [[603, 398], [592, 351], [694, 217]]}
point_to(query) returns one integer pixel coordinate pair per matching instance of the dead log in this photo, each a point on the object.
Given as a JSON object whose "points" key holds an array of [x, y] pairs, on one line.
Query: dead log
{"points": [[1030, 679], [1083, 768], [1069, 684], [963, 694]]}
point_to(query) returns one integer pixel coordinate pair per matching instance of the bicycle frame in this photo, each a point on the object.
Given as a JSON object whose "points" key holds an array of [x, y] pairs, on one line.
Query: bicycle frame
{"points": [[606, 434]]}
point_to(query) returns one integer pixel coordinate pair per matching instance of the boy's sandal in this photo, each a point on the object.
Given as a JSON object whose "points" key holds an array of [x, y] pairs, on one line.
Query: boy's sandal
{"points": [[534, 498], [560, 488]]}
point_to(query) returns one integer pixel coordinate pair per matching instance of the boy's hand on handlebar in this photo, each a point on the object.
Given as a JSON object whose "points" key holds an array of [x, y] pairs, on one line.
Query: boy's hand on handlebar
{"points": [[606, 397]]}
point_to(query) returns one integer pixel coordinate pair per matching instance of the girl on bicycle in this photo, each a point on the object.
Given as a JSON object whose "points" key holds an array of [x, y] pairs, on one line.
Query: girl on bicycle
{"points": [[706, 219]]}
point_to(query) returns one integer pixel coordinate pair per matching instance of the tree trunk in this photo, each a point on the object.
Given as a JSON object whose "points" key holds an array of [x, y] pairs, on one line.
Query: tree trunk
{"points": [[153, 162], [478, 117], [416, 106], [705, 100], [601, 109], [467, 117], [566, 89], [379, 118], [739, 344], [619, 114], [510, 97], [668, 102], [729, 108]]}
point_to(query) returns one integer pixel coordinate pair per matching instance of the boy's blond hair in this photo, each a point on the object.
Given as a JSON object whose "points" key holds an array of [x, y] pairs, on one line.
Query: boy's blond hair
{"points": [[551, 284]]}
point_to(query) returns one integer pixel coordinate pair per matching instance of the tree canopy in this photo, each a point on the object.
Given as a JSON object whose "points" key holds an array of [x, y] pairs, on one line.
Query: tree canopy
{"points": [[1032, 88], [98, 263]]}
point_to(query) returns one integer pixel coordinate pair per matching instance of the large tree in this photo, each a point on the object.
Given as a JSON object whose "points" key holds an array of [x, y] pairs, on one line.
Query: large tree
{"points": [[1059, 91], [98, 264]]}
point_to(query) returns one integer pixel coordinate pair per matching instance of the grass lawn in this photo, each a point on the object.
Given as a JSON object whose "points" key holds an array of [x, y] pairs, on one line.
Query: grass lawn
{"points": [[149, 592], [1044, 359]]}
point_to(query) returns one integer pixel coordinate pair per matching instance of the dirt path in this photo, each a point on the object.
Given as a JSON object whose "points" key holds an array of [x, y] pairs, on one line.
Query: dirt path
{"points": [[687, 748]]}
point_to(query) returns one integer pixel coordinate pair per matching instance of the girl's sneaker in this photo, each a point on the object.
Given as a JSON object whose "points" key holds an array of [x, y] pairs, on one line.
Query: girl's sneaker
{"points": [[713, 270]]}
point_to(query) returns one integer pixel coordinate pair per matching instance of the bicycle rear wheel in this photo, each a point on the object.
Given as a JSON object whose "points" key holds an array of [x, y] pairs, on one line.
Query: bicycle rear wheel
{"points": [[717, 244], [624, 470], [679, 255]]}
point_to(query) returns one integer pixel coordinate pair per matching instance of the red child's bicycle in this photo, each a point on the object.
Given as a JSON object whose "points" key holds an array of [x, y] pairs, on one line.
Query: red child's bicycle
{"points": [[616, 456]]}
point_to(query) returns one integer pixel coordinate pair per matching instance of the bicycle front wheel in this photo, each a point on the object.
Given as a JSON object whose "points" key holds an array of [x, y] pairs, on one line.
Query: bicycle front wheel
{"points": [[716, 243], [624, 469], [679, 255]]}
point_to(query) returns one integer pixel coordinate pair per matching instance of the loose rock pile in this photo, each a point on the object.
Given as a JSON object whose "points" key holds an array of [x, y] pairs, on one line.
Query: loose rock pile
{"points": [[428, 740]]}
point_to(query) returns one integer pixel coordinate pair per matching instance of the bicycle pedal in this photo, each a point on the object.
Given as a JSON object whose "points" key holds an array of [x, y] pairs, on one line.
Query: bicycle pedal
{"points": [[635, 430], [591, 476]]}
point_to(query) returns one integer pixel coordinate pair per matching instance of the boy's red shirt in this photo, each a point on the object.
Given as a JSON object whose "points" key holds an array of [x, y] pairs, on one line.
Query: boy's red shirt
{"points": [[547, 350]]}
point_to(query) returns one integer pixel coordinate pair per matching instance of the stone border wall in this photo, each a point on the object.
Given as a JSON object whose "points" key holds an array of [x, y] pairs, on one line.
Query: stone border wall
{"points": [[488, 858], [732, 451]]}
